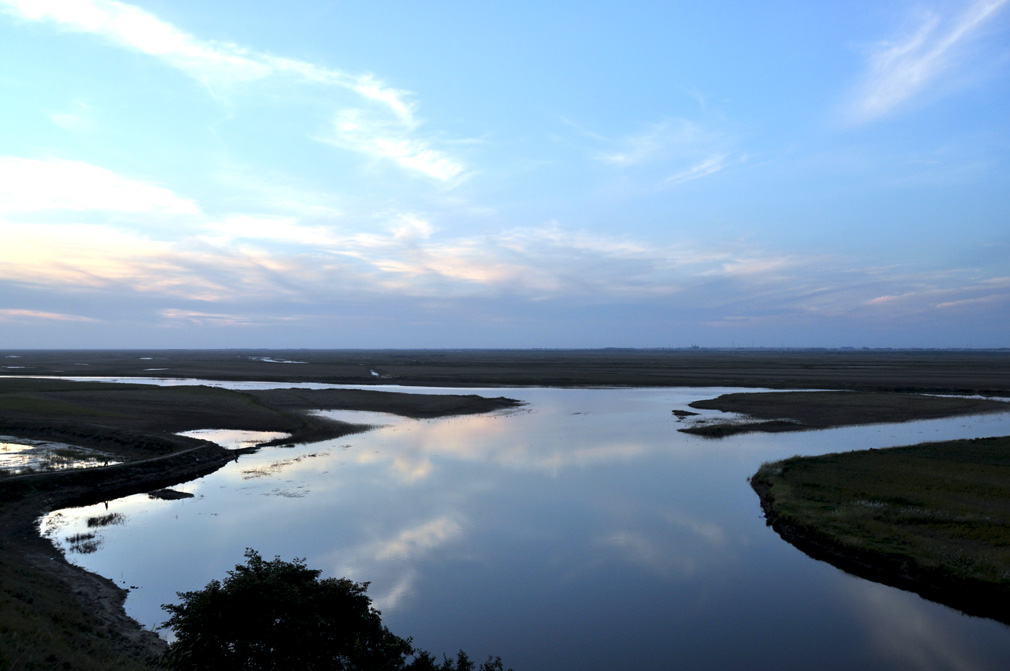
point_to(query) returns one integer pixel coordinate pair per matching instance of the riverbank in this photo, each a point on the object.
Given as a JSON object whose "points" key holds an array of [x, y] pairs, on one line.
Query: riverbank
{"points": [[56, 615], [931, 519]]}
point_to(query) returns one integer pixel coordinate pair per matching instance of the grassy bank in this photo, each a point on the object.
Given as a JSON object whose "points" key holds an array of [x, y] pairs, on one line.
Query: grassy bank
{"points": [[44, 625], [931, 518]]}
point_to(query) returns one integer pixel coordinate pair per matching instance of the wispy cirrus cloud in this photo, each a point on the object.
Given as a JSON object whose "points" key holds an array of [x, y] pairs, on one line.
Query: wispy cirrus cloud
{"points": [[553, 262], [32, 315], [180, 317], [928, 295], [214, 63], [221, 258], [380, 121], [278, 229], [692, 151], [709, 166], [379, 138], [658, 140], [902, 69]]}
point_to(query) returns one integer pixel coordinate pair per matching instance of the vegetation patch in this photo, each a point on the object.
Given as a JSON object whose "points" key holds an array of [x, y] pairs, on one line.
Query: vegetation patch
{"points": [[106, 520], [84, 544], [278, 615], [931, 518], [277, 466]]}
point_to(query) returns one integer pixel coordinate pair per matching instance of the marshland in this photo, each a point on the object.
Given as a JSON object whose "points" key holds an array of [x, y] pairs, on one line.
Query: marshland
{"points": [[565, 526]]}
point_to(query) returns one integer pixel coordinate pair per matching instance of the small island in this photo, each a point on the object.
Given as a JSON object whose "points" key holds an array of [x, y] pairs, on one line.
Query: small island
{"points": [[777, 411]]}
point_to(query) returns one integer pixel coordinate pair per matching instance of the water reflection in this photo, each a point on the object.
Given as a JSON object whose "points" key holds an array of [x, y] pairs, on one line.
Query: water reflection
{"points": [[234, 439], [21, 456], [581, 532], [911, 636]]}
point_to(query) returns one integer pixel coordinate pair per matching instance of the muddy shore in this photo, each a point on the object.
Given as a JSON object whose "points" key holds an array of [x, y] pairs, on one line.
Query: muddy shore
{"points": [[25, 498]]}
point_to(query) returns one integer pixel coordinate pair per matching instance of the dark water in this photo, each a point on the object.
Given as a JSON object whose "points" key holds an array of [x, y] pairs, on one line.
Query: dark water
{"points": [[582, 532]]}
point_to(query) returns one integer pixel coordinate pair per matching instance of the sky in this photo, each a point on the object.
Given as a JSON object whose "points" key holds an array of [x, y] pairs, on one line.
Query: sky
{"points": [[192, 174]]}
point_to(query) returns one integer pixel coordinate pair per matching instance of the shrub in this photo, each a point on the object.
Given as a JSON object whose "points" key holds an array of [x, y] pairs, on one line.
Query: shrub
{"points": [[277, 615], [270, 615]]}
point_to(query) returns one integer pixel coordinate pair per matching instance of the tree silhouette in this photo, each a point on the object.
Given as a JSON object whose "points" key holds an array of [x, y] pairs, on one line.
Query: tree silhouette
{"points": [[277, 615]]}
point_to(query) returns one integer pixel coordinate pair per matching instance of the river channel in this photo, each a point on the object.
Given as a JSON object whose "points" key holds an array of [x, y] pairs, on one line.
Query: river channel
{"points": [[582, 531]]}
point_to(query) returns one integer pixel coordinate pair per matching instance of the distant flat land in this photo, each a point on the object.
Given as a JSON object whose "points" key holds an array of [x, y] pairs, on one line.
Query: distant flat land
{"points": [[955, 371]]}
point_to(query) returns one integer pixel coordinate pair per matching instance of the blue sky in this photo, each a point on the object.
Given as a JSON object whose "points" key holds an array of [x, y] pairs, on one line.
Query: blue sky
{"points": [[176, 173]]}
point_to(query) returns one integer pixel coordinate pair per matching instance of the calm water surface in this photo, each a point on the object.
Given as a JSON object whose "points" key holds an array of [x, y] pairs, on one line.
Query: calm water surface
{"points": [[580, 532]]}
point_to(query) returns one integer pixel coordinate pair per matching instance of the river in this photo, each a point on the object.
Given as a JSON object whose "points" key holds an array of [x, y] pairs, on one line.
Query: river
{"points": [[582, 531]]}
